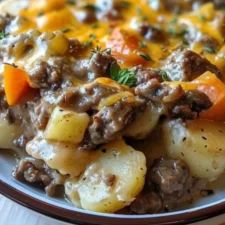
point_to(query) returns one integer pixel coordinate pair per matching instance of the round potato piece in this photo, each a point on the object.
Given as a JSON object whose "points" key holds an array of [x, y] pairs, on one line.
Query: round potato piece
{"points": [[64, 157], [144, 123], [112, 181], [200, 143]]}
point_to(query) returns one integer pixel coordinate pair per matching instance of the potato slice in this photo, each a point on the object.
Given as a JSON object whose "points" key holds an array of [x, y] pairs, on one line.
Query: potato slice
{"points": [[200, 143], [8, 133], [112, 181], [144, 123], [64, 157], [67, 126]]}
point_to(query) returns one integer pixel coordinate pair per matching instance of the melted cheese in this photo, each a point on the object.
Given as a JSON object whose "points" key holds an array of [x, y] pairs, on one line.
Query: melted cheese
{"points": [[53, 15]]}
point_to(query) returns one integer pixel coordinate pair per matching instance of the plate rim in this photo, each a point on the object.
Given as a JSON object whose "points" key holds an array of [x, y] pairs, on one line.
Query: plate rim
{"points": [[83, 217]]}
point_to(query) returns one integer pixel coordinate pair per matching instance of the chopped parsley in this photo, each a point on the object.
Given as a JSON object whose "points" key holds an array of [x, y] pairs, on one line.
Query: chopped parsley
{"points": [[66, 30], [209, 49], [123, 76], [40, 14], [142, 44], [92, 7], [145, 56], [95, 26], [98, 49], [90, 40], [2, 35], [140, 14], [125, 4], [175, 29], [202, 18], [71, 2], [164, 75]]}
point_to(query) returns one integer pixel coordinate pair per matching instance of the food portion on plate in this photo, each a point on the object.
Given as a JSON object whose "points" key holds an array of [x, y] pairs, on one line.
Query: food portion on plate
{"points": [[117, 105]]}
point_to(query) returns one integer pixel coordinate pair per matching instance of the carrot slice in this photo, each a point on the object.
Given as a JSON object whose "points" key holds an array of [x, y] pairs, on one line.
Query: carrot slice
{"points": [[214, 88], [125, 47], [15, 83]]}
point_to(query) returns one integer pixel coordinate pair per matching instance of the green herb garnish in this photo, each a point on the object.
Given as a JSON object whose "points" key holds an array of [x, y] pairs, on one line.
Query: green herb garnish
{"points": [[71, 2], [66, 30], [145, 56], [202, 18], [90, 40], [95, 26], [40, 14], [140, 14], [142, 44], [209, 49], [92, 7], [175, 29], [164, 75], [123, 76], [125, 4], [2, 35]]}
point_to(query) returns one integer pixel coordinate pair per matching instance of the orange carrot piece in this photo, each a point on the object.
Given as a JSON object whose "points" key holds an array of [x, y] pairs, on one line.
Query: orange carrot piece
{"points": [[125, 47], [214, 88], [15, 83]]}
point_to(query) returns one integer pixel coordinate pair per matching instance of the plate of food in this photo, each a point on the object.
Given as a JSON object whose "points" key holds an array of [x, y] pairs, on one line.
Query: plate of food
{"points": [[113, 112]]}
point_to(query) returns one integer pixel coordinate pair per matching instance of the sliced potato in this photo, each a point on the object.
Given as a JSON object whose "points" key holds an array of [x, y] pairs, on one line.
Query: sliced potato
{"points": [[112, 181], [8, 133], [200, 143], [64, 157], [66, 126], [144, 123]]}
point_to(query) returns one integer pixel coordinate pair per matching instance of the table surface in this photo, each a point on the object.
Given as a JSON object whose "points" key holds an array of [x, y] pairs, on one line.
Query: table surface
{"points": [[14, 214]]}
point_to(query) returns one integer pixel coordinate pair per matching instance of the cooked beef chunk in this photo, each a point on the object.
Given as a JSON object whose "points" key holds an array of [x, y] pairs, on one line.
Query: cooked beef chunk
{"points": [[186, 65], [170, 176], [100, 63], [85, 98], [5, 20], [3, 102], [87, 15], [80, 69], [168, 185], [151, 33], [5, 112], [24, 115], [148, 89], [145, 74], [36, 172], [41, 115], [75, 47], [191, 104], [145, 203], [20, 142], [176, 5], [44, 74], [219, 3], [176, 102], [159, 93], [173, 182], [87, 143], [109, 121]]}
